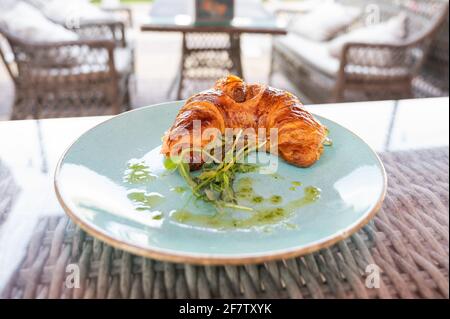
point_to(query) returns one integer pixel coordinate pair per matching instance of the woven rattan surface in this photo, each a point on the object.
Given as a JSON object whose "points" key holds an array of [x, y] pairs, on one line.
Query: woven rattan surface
{"points": [[8, 191], [408, 241]]}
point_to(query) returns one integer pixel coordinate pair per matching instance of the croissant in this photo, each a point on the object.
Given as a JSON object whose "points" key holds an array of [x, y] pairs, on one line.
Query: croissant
{"points": [[232, 103]]}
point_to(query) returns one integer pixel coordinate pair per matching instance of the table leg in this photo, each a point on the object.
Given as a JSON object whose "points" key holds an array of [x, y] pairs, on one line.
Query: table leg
{"points": [[235, 53], [184, 54], [205, 60], [176, 82]]}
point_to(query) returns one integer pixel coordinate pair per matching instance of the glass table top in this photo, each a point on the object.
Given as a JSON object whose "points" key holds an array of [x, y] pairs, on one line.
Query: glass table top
{"points": [[176, 15]]}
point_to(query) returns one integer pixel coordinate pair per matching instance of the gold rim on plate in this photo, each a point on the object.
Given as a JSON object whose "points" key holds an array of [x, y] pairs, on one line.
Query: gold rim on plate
{"points": [[204, 259]]}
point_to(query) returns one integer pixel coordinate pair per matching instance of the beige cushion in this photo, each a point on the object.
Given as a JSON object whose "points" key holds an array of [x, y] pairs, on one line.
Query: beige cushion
{"points": [[123, 58], [131, 36], [99, 63], [27, 23], [90, 64], [74, 11], [295, 6], [390, 32], [122, 61], [325, 21], [6, 5], [313, 53], [37, 3]]}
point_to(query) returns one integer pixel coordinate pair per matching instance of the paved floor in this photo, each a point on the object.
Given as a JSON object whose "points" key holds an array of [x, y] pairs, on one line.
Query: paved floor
{"points": [[157, 57]]}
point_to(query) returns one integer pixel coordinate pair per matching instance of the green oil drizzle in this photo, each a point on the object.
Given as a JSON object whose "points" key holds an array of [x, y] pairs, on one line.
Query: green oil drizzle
{"points": [[259, 217], [276, 199], [226, 221], [311, 195], [244, 188], [295, 185], [277, 176], [137, 173], [179, 189], [145, 201], [258, 199], [291, 226]]}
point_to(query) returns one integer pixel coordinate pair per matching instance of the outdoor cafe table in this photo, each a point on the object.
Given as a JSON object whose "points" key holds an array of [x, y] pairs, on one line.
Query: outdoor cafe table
{"points": [[407, 240], [209, 50]]}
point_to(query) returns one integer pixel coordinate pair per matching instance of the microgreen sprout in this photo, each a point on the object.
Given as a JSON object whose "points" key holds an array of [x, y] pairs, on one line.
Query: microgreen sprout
{"points": [[214, 184]]}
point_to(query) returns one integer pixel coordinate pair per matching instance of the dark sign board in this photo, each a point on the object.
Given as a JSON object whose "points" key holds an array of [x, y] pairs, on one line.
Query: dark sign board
{"points": [[214, 10]]}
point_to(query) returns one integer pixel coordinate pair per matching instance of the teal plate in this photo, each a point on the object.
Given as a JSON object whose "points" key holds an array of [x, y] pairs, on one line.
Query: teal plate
{"points": [[136, 212]]}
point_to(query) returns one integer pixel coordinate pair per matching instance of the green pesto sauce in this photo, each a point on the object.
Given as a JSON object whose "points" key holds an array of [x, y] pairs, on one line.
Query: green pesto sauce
{"points": [[137, 173], [276, 199], [179, 189], [245, 182], [311, 195], [259, 217], [258, 199], [277, 176], [290, 226], [145, 201], [225, 221], [244, 189], [295, 185]]}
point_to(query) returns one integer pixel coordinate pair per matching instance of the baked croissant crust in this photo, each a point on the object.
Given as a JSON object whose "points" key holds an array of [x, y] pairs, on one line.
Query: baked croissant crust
{"points": [[232, 103]]}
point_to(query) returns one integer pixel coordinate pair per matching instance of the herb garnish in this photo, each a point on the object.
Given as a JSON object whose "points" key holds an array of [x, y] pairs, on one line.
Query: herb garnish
{"points": [[215, 182]]}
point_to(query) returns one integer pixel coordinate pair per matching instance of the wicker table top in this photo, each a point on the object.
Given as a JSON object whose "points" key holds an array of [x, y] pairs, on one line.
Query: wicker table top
{"points": [[407, 241]]}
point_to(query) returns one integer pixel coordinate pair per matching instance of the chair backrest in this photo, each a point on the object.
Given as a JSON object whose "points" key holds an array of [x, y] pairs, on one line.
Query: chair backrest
{"points": [[7, 55], [31, 63], [17, 54], [424, 16]]}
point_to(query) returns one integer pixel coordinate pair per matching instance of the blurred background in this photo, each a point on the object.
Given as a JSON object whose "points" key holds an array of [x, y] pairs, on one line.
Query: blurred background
{"points": [[80, 57]]}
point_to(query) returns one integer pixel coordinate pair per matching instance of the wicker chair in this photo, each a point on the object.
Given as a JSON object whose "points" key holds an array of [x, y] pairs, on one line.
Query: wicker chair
{"points": [[77, 78], [111, 29], [434, 76], [364, 72], [116, 31]]}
